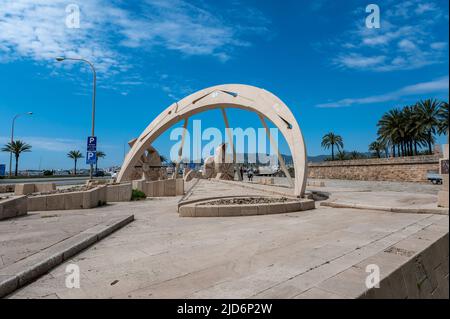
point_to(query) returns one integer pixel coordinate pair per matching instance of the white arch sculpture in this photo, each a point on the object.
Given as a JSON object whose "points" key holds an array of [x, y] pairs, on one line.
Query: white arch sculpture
{"points": [[246, 97]]}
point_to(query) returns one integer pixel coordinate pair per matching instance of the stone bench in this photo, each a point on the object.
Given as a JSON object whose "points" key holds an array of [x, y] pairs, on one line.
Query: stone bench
{"points": [[13, 207], [162, 188], [118, 192], [66, 201], [7, 188], [30, 188]]}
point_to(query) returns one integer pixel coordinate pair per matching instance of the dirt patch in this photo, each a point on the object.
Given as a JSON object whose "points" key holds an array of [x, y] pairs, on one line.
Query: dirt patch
{"points": [[247, 201]]}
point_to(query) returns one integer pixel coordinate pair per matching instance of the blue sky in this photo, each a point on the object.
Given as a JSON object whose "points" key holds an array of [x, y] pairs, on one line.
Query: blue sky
{"points": [[317, 56]]}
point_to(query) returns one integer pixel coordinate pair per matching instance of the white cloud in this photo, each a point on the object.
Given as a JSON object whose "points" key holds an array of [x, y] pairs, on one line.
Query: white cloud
{"points": [[435, 86], [35, 29], [406, 40]]}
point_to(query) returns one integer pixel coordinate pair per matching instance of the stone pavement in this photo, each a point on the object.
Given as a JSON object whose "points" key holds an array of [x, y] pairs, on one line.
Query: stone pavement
{"points": [[28, 235], [290, 255]]}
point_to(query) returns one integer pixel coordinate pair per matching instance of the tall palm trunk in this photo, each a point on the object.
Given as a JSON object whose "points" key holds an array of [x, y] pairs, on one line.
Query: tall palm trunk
{"points": [[75, 168], [17, 166], [332, 152], [429, 142]]}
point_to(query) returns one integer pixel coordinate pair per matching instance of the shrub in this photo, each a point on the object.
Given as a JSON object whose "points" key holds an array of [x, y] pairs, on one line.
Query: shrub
{"points": [[137, 195]]}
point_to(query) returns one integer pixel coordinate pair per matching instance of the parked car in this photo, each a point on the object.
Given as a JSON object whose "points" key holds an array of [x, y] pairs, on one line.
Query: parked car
{"points": [[435, 178], [99, 174]]}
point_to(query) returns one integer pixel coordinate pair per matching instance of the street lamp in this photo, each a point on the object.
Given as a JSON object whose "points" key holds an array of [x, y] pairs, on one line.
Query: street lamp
{"points": [[12, 138], [60, 59]]}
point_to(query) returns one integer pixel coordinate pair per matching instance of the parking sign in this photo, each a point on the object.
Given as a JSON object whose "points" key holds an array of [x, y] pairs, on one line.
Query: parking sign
{"points": [[92, 143], [91, 158]]}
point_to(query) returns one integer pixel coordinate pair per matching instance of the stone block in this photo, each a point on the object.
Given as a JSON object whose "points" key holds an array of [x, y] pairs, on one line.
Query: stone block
{"points": [[308, 204], [119, 193], [44, 187], [91, 198], [158, 188], [445, 182], [150, 189], [206, 211], [249, 210], [37, 203], [276, 208], [187, 211], [169, 187], [13, 207], [179, 187], [293, 207], [263, 209], [139, 185], [229, 210], [56, 202], [443, 199], [24, 189], [73, 200]]}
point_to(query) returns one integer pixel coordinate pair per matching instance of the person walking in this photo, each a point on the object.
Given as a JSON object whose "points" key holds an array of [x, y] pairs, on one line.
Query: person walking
{"points": [[250, 174]]}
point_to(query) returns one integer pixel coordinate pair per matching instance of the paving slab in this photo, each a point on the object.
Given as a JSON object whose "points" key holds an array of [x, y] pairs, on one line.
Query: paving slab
{"points": [[271, 256]]}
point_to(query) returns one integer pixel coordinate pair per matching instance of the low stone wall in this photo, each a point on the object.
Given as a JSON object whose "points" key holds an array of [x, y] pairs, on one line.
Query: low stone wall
{"points": [[7, 188], [13, 207], [202, 209], [118, 193], [162, 188], [27, 189], [424, 276], [406, 169], [66, 201]]}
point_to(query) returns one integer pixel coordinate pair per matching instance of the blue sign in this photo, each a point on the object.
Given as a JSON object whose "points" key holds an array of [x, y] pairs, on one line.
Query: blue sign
{"points": [[2, 169], [92, 143], [91, 158]]}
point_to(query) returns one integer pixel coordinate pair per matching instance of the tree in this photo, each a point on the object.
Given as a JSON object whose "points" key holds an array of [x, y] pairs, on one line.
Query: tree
{"points": [[390, 129], [17, 147], [330, 140], [101, 155], [356, 155], [377, 147], [443, 118], [75, 155], [342, 155], [428, 119]]}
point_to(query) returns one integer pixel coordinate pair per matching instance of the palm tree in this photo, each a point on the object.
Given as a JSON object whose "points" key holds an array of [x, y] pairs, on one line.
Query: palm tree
{"points": [[376, 147], [17, 147], [341, 155], [443, 118], [428, 119], [390, 129], [356, 155], [100, 154], [330, 140], [75, 155]]}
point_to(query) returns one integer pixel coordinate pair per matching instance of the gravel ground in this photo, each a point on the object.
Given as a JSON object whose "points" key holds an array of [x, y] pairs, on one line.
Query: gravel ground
{"points": [[247, 200]]}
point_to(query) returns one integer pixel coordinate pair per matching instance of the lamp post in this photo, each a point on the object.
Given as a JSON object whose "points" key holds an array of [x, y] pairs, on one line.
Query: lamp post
{"points": [[94, 89], [12, 138]]}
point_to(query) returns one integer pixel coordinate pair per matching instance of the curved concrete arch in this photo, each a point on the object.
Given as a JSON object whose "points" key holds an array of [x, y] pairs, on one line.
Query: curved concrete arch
{"points": [[246, 97]]}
